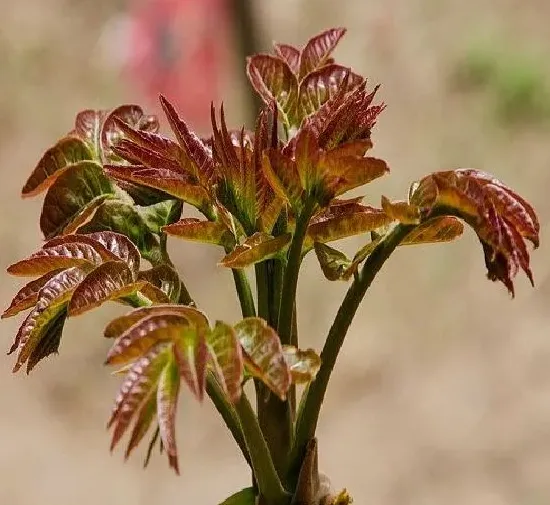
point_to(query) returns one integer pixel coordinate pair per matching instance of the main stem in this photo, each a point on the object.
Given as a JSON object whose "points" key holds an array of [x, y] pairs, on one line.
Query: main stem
{"points": [[310, 406], [267, 478]]}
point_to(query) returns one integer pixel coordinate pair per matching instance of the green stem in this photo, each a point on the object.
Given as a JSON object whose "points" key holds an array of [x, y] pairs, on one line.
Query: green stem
{"points": [[312, 400], [228, 413], [269, 483], [244, 292], [290, 279]]}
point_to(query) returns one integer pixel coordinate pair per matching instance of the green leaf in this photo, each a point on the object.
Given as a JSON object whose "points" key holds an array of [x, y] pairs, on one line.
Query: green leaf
{"points": [[51, 304], [158, 215], [165, 278], [209, 232], [273, 80], [263, 354], [120, 217], [333, 263], [57, 257], [167, 400], [258, 247], [76, 188], [226, 359], [318, 49], [68, 151], [243, 497], [303, 365], [110, 281], [27, 296]]}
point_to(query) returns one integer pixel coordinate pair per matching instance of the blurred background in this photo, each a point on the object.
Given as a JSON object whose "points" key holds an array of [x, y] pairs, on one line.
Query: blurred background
{"points": [[442, 392]]}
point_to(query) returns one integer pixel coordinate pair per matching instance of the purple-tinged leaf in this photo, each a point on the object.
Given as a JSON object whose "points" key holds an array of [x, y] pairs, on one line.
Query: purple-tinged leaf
{"points": [[209, 232], [334, 263], [76, 188], [192, 356], [88, 128], [318, 50], [51, 304], [57, 257], [123, 323], [140, 382], [258, 247], [165, 278], [167, 400], [144, 334], [303, 364], [198, 155], [322, 84], [68, 151], [289, 54], [110, 281], [27, 296], [263, 354], [273, 80], [226, 359], [85, 215], [144, 418]]}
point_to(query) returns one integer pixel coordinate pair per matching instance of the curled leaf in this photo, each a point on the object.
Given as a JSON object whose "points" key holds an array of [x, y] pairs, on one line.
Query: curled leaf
{"points": [[263, 354], [46, 315], [210, 232], [437, 229], [165, 278], [303, 365], [333, 263], [403, 212], [258, 247], [75, 189], [68, 151]]}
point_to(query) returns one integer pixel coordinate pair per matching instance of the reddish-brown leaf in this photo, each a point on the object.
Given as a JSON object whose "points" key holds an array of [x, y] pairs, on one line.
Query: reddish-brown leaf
{"points": [[226, 359], [144, 418], [345, 219], [273, 80], [167, 400], [57, 257], [66, 152], [88, 128], [318, 49], [140, 382], [437, 229], [322, 84], [144, 334], [110, 281], [198, 155], [290, 55], [165, 278], [192, 354], [27, 296], [263, 354], [210, 232], [258, 247], [76, 188], [283, 177], [401, 211], [50, 306]]}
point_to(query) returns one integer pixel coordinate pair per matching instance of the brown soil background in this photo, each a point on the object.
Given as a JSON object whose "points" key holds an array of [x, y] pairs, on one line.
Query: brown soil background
{"points": [[442, 393]]}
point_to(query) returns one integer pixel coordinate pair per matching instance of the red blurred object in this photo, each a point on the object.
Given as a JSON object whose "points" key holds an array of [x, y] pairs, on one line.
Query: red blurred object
{"points": [[179, 48]]}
